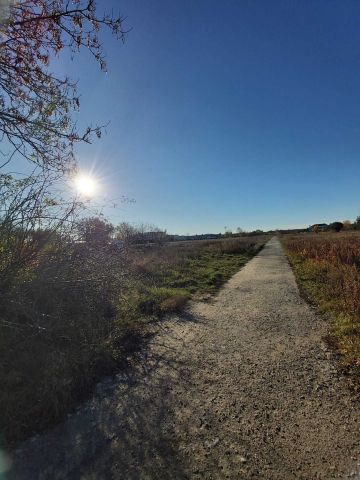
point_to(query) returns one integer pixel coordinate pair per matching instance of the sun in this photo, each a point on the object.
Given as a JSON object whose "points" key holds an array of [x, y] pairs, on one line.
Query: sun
{"points": [[86, 185]]}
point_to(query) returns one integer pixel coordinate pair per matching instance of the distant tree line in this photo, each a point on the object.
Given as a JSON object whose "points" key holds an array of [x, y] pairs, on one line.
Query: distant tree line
{"points": [[100, 231], [336, 226]]}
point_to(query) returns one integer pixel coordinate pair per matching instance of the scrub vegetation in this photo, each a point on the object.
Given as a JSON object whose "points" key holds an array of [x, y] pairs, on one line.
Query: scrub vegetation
{"points": [[327, 267], [71, 313]]}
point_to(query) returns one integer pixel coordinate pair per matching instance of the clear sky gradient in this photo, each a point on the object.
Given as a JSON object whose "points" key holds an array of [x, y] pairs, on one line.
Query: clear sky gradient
{"points": [[237, 113]]}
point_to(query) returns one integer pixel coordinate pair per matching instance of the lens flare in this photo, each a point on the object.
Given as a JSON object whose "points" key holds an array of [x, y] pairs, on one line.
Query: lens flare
{"points": [[86, 185]]}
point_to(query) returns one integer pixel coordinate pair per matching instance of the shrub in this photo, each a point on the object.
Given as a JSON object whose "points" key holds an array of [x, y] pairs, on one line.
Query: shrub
{"points": [[336, 226], [56, 320]]}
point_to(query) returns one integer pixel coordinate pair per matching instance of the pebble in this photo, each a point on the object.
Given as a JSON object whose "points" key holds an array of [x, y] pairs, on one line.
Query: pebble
{"points": [[213, 443]]}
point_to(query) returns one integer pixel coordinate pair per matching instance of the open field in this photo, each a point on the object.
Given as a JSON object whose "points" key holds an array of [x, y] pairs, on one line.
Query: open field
{"points": [[70, 318], [327, 267]]}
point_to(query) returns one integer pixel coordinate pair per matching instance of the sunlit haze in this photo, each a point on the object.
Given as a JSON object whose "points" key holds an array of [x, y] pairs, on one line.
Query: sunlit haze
{"points": [[86, 185]]}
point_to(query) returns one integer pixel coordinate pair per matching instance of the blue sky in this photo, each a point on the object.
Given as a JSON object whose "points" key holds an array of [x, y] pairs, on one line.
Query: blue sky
{"points": [[237, 113]]}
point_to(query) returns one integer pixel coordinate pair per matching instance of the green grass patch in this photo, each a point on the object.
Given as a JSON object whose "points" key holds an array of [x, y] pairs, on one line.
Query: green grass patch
{"points": [[168, 288], [206, 273]]}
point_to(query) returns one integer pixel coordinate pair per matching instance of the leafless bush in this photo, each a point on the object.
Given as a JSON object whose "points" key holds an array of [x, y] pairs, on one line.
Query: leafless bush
{"points": [[60, 331]]}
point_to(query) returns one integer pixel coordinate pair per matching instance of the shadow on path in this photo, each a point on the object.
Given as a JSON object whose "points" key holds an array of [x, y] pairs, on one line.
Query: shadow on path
{"points": [[124, 431]]}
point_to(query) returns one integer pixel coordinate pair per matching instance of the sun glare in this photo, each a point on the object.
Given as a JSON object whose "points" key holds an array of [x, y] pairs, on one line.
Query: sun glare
{"points": [[86, 185]]}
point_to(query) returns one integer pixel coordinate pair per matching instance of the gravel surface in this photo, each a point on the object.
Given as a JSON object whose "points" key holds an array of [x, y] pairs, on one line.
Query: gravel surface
{"points": [[239, 388]]}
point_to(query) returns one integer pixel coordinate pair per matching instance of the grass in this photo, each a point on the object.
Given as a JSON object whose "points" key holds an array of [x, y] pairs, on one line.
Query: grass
{"points": [[327, 268], [164, 278], [71, 317]]}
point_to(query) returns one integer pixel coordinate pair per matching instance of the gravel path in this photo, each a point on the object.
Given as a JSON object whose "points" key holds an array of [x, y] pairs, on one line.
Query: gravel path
{"points": [[240, 388]]}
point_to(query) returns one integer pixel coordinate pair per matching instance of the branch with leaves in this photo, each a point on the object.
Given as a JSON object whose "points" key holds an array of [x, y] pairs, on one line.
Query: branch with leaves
{"points": [[36, 106]]}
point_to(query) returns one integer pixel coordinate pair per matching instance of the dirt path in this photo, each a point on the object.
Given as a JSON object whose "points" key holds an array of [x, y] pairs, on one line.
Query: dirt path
{"points": [[242, 388]]}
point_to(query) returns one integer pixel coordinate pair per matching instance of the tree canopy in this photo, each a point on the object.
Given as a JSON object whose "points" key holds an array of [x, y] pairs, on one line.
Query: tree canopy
{"points": [[35, 104], [36, 115]]}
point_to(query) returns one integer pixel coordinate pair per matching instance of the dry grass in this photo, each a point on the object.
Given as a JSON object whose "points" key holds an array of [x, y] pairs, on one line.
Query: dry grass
{"points": [[327, 267]]}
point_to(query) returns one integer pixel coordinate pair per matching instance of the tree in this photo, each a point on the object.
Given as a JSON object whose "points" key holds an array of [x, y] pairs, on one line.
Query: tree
{"points": [[347, 224], [142, 233], [357, 223], [95, 231], [228, 232], [35, 104], [36, 122], [336, 226], [126, 233], [26, 205]]}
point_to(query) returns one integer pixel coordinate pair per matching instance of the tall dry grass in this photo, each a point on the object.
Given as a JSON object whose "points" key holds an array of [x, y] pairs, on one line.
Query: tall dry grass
{"points": [[328, 269], [58, 334]]}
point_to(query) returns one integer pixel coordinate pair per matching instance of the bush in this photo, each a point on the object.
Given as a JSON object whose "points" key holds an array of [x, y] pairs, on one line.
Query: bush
{"points": [[336, 226], [56, 321]]}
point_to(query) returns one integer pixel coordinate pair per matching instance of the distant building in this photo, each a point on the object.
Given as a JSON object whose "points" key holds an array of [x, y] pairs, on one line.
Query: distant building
{"points": [[203, 236], [318, 227]]}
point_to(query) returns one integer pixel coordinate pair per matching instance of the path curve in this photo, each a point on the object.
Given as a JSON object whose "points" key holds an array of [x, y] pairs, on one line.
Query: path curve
{"points": [[242, 388]]}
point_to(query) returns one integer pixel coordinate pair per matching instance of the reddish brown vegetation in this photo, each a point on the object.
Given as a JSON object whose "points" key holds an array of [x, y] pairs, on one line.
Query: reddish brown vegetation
{"points": [[327, 267]]}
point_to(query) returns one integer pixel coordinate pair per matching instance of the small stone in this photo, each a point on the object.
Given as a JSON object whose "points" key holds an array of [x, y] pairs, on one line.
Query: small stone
{"points": [[213, 443]]}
